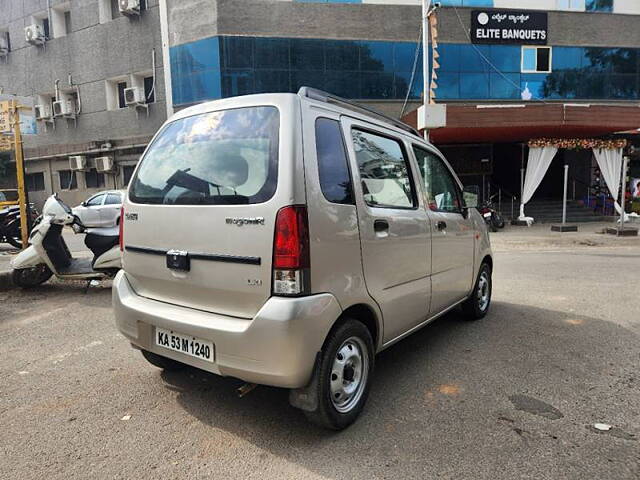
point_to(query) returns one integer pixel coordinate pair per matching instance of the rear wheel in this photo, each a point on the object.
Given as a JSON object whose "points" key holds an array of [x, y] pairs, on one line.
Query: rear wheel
{"points": [[14, 237], [31, 277], [162, 362], [477, 305], [343, 376]]}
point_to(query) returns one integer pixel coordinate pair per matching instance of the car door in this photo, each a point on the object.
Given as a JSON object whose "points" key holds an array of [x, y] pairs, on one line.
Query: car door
{"points": [[394, 230], [90, 212], [110, 209], [453, 237]]}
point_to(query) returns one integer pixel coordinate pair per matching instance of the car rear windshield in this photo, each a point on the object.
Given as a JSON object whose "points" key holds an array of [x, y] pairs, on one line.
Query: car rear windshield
{"points": [[220, 158]]}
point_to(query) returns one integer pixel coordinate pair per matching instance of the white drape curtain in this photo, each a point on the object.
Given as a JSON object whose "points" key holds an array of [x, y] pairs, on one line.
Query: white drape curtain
{"points": [[610, 163], [537, 165]]}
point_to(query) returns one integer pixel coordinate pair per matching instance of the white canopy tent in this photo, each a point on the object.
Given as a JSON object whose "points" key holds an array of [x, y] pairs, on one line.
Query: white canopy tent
{"points": [[608, 154]]}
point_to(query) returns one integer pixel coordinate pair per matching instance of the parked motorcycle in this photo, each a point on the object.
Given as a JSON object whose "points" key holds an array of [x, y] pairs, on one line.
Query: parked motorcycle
{"points": [[491, 216], [10, 231], [49, 255]]}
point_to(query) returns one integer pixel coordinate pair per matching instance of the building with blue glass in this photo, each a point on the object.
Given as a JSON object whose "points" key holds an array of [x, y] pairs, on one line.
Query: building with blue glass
{"points": [[581, 52]]}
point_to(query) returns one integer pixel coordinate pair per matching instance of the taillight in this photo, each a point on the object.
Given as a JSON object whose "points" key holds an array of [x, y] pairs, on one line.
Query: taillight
{"points": [[291, 251], [121, 229]]}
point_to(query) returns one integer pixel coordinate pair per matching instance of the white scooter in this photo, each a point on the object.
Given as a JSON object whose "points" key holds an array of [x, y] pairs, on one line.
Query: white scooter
{"points": [[49, 255]]}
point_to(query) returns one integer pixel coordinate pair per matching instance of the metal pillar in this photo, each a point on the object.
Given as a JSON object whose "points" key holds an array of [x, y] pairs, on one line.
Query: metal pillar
{"points": [[14, 112], [625, 163], [564, 197]]}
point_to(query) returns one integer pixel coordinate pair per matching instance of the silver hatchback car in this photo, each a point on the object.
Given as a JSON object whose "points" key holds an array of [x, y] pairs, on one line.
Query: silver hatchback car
{"points": [[285, 239]]}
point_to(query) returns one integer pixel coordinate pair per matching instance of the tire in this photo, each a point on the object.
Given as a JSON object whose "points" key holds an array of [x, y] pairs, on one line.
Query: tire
{"points": [[13, 237], [31, 277], [162, 362], [477, 305], [498, 220], [491, 224], [347, 355]]}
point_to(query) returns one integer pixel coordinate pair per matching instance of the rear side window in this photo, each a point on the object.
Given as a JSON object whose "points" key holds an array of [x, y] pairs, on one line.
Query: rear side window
{"points": [[333, 170], [218, 158], [113, 199], [441, 188], [384, 171]]}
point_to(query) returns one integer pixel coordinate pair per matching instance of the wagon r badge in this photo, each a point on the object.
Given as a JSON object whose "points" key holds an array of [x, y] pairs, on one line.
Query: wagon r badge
{"points": [[239, 221]]}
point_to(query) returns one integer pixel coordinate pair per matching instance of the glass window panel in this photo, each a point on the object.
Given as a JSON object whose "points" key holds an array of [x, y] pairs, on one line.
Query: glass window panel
{"points": [[562, 85], [113, 199], [307, 78], [238, 51], [96, 200], [528, 59], [376, 56], [449, 57], [341, 55], [401, 81], [196, 87], [474, 85], [623, 60], [543, 59], [597, 59], [377, 85], [535, 82], [567, 58], [272, 53], [622, 86], [268, 81], [404, 56], [477, 3], [505, 58], [592, 86], [196, 56], [384, 171], [599, 5], [237, 82], [307, 54], [333, 169], [448, 86], [343, 84], [506, 86], [471, 60]]}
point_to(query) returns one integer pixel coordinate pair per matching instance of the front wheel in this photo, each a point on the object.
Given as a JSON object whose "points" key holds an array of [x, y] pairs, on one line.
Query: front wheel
{"points": [[344, 376], [477, 305], [31, 277]]}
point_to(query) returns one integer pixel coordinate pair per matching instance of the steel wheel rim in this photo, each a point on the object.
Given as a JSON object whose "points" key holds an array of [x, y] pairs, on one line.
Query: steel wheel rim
{"points": [[348, 376], [484, 291]]}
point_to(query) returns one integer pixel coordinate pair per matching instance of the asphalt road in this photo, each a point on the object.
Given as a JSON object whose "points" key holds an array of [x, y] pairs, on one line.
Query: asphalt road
{"points": [[512, 396]]}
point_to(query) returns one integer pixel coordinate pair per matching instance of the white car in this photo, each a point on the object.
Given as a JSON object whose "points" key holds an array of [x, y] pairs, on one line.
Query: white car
{"points": [[101, 209]]}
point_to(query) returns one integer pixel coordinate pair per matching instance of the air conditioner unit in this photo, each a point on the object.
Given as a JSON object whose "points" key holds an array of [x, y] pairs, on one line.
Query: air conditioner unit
{"points": [[78, 162], [129, 7], [4, 44], [34, 34], [43, 112], [64, 108], [134, 96], [104, 164]]}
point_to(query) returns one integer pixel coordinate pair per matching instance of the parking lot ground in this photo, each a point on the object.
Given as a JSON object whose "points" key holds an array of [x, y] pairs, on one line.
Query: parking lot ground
{"points": [[514, 395]]}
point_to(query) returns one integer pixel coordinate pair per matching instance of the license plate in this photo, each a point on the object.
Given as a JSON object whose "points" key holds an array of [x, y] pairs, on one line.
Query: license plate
{"points": [[487, 215], [192, 346]]}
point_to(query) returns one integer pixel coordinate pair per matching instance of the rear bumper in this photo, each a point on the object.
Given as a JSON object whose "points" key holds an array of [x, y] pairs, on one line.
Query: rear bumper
{"points": [[277, 347]]}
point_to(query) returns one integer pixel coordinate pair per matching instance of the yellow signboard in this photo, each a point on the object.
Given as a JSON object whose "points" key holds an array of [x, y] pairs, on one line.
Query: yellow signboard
{"points": [[5, 125], [6, 143]]}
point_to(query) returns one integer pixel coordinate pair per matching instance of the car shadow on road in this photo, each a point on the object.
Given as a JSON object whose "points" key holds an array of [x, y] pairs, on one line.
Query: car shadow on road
{"points": [[439, 387]]}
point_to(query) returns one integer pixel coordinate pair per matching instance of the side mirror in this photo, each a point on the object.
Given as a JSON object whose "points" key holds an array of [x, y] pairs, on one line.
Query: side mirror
{"points": [[471, 194], [84, 204]]}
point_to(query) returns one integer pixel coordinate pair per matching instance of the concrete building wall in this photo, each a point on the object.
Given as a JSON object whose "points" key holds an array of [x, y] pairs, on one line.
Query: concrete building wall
{"points": [[96, 49]]}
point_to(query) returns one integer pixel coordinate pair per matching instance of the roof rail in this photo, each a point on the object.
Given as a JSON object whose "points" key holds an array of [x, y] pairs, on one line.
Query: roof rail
{"points": [[325, 97]]}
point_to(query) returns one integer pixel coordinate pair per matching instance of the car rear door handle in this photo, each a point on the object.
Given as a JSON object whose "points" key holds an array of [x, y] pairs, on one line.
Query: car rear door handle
{"points": [[441, 225], [380, 226]]}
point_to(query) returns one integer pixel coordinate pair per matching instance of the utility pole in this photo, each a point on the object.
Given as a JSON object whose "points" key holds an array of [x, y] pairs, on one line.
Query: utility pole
{"points": [[14, 113], [426, 6]]}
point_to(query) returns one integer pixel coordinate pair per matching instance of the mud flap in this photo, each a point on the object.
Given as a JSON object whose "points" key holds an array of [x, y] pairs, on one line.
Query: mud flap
{"points": [[306, 398]]}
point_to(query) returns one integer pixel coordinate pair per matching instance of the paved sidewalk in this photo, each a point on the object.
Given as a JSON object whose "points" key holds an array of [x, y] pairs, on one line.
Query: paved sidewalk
{"points": [[540, 237]]}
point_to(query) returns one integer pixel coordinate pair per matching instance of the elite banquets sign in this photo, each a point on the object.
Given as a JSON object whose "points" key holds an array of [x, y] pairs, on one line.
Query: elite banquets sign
{"points": [[509, 27]]}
